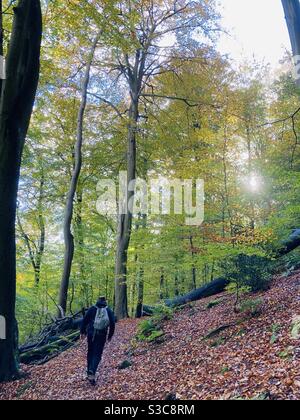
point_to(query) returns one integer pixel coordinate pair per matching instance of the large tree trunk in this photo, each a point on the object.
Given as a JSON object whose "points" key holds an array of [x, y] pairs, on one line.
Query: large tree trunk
{"points": [[292, 15], [17, 98], [125, 220], [134, 74], [69, 210]]}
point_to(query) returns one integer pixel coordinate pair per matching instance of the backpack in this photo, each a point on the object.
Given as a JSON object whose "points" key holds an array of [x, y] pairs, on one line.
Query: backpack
{"points": [[102, 321]]}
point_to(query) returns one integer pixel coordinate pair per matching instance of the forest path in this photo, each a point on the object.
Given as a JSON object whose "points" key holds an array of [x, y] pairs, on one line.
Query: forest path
{"points": [[242, 362]]}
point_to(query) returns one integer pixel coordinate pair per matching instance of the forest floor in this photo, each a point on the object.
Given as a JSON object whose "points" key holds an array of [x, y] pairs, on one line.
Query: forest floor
{"points": [[255, 358]]}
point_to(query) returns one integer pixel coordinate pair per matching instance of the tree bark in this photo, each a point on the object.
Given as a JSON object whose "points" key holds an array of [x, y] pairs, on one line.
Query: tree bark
{"points": [[125, 220], [69, 210], [292, 15], [135, 78], [17, 99]]}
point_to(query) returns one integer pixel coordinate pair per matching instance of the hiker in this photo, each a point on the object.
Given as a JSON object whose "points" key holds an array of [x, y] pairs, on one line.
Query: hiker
{"points": [[96, 323]]}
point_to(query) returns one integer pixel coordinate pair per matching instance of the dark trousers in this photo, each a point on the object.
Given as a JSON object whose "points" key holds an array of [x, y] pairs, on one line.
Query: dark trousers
{"points": [[95, 350]]}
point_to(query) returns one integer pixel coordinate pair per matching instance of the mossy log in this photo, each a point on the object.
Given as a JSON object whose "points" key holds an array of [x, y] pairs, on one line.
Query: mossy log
{"points": [[46, 352], [215, 287], [290, 244]]}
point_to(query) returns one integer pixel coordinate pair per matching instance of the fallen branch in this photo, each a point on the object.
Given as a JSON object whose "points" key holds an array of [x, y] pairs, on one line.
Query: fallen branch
{"points": [[52, 340], [50, 350]]}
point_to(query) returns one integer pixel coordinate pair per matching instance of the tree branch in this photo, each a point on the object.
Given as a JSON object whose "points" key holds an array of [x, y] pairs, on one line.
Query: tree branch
{"points": [[107, 102], [189, 102]]}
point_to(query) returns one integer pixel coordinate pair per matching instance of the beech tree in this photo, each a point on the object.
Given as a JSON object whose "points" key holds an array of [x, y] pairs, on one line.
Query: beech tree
{"points": [[69, 210], [145, 25], [17, 98]]}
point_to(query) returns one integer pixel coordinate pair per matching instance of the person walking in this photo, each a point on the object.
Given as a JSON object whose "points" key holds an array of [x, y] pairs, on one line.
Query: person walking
{"points": [[98, 326]]}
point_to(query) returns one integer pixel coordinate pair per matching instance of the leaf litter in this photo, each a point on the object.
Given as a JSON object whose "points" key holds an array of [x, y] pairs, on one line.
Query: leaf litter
{"points": [[244, 361]]}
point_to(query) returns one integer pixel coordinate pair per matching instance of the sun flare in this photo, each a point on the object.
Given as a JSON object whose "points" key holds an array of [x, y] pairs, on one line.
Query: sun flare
{"points": [[254, 183]]}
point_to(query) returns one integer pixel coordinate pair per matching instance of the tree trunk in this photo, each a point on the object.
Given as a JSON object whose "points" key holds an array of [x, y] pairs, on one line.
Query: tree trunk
{"points": [[17, 98], [176, 284], [132, 299], [194, 270], [69, 210], [292, 15], [36, 253], [134, 75], [80, 232], [79, 237], [41, 223], [162, 285], [27, 242], [125, 220], [140, 298], [140, 275], [250, 170]]}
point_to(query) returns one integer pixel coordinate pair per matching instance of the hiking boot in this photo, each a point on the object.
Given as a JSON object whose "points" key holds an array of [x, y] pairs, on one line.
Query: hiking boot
{"points": [[92, 379]]}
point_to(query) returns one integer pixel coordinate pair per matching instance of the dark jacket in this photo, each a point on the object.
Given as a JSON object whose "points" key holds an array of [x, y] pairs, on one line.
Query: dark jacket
{"points": [[87, 326]]}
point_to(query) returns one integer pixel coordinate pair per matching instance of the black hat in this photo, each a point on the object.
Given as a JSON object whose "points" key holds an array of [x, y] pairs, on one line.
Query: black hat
{"points": [[101, 301]]}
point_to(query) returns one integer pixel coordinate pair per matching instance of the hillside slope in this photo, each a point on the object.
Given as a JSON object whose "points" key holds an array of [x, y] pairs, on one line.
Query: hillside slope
{"points": [[241, 362]]}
